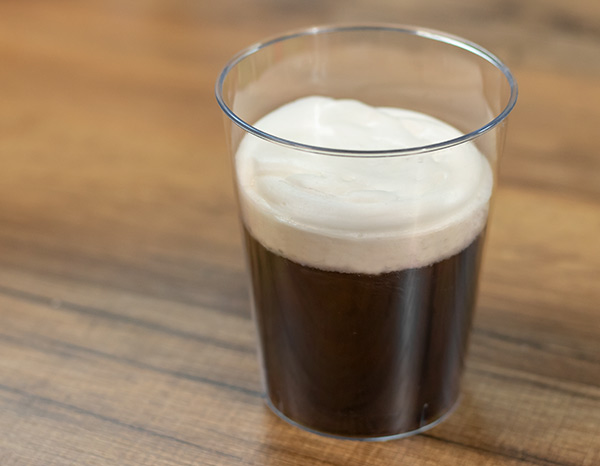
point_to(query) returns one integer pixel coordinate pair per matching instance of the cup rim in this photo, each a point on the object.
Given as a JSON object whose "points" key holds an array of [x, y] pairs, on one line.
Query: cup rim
{"points": [[426, 33]]}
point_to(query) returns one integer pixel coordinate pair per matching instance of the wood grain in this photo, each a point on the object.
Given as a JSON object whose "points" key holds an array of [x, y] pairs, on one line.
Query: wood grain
{"points": [[125, 332]]}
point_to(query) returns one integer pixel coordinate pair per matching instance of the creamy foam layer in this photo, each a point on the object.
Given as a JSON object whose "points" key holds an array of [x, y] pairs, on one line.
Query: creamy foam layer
{"points": [[365, 215]]}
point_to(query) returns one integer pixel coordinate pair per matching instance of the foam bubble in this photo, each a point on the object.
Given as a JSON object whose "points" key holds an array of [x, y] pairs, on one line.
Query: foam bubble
{"points": [[365, 215]]}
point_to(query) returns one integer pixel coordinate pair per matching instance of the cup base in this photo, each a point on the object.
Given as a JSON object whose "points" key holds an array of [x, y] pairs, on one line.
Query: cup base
{"points": [[384, 438]]}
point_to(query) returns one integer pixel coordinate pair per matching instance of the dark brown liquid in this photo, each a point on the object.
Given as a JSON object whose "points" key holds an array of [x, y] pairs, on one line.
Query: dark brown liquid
{"points": [[359, 355]]}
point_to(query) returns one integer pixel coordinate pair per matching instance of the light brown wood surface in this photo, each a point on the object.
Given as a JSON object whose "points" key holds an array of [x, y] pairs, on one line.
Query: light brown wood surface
{"points": [[125, 331]]}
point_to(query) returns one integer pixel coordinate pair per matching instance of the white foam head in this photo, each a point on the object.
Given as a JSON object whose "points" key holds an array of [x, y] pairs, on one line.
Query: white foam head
{"points": [[364, 215]]}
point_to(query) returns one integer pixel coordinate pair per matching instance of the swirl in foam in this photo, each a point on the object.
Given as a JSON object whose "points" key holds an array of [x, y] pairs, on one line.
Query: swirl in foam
{"points": [[361, 215]]}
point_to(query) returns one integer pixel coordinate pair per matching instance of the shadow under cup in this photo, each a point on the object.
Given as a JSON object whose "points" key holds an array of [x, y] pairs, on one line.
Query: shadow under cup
{"points": [[348, 348]]}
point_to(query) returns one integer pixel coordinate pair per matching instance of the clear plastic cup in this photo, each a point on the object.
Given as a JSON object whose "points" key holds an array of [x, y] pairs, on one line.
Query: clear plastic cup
{"points": [[363, 326]]}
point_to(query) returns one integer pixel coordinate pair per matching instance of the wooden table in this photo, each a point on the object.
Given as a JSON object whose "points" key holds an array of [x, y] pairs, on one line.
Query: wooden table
{"points": [[125, 332]]}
